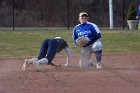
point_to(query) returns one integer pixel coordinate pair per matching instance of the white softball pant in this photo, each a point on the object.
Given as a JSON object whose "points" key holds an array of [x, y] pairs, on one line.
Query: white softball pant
{"points": [[86, 53]]}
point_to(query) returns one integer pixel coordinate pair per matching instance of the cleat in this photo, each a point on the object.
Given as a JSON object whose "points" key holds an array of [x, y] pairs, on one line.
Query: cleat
{"points": [[98, 66], [92, 64], [24, 65], [51, 63], [36, 65]]}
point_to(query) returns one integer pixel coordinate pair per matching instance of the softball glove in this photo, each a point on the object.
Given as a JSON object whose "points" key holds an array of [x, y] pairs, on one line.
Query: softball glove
{"points": [[82, 41]]}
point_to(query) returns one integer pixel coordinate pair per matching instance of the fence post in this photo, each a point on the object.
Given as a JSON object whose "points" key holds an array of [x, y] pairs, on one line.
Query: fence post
{"points": [[13, 15], [67, 14], [111, 13], [123, 14]]}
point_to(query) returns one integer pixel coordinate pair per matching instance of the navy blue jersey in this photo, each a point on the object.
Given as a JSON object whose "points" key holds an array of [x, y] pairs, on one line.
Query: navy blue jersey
{"points": [[62, 45]]}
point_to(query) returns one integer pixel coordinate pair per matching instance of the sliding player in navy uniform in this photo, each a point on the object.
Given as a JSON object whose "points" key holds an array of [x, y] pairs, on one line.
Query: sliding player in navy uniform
{"points": [[47, 52]]}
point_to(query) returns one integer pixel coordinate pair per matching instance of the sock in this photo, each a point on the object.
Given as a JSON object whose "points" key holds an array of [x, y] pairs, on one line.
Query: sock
{"points": [[30, 61], [98, 55], [43, 60]]}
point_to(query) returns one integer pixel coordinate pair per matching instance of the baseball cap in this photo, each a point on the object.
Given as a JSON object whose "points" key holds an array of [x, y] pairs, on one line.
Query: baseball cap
{"points": [[83, 13]]}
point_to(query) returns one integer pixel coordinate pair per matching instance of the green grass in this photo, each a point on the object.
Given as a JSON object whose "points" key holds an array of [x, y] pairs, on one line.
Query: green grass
{"points": [[121, 42], [26, 44], [34, 28]]}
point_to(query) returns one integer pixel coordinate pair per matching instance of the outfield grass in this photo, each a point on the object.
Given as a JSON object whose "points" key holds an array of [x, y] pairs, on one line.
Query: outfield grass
{"points": [[26, 44]]}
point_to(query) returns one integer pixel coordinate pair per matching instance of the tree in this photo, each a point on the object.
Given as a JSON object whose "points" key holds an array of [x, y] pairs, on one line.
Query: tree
{"points": [[131, 14]]}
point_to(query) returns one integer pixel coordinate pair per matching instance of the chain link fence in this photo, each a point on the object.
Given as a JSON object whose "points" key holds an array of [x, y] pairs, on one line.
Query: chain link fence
{"points": [[61, 13]]}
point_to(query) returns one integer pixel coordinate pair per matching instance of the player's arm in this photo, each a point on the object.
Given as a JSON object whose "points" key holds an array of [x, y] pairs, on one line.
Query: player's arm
{"points": [[95, 33], [68, 53]]}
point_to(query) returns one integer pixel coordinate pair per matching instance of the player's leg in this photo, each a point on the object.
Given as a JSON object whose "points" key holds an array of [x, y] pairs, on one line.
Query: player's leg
{"points": [[98, 55], [85, 56], [41, 61], [43, 49], [27, 62], [47, 51], [42, 54], [30, 61], [97, 49], [52, 50]]}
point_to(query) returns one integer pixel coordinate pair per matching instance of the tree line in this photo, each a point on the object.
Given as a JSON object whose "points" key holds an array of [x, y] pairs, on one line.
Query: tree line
{"points": [[61, 13]]}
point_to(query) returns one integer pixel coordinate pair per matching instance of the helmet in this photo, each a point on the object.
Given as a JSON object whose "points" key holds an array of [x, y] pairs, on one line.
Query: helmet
{"points": [[58, 37]]}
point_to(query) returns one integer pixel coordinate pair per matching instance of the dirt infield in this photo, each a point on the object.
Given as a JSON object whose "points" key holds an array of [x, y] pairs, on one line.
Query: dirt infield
{"points": [[120, 74]]}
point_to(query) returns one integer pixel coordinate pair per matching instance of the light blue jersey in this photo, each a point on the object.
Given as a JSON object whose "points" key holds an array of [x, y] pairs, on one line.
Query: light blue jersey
{"points": [[89, 30]]}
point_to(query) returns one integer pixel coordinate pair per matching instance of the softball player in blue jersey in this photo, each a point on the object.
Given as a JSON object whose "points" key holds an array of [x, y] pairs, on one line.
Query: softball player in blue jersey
{"points": [[91, 31], [47, 52]]}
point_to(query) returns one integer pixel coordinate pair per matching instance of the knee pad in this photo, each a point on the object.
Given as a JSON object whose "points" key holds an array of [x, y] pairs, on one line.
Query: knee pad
{"points": [[96, 46]]}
